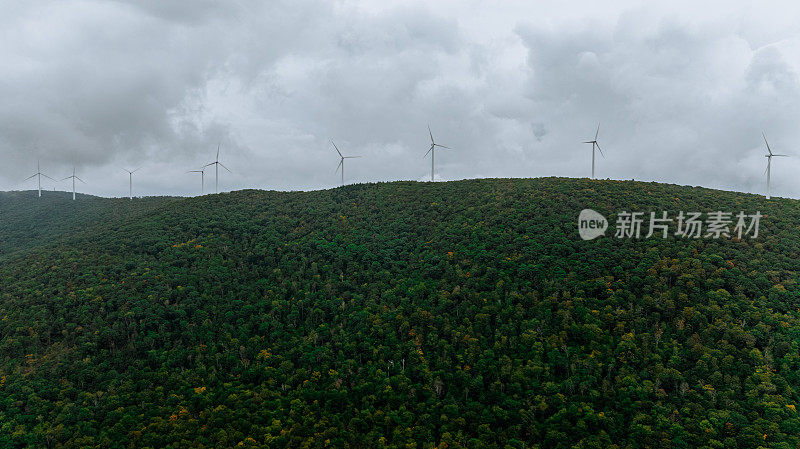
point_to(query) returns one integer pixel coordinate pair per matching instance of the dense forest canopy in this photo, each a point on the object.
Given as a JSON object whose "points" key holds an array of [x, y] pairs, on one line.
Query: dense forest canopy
{"points": [[27, 221], [464, 314]]}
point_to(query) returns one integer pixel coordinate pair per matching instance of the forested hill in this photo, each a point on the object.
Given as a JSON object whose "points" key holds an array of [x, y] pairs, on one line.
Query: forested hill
{"points": [[27, 221], [463, 314]]}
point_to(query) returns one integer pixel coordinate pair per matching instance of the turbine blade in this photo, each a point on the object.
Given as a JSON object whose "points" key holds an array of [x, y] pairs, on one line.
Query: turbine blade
{"points": [[210, 163], [429, 150], [601, 151], [598, 131], [781, 155], [588, 141], [218, 152], [429, 132], [29, 177], [81, 180], [765, 141], [66, 178], [337, 149], [442, 146], [46, 176], [223, 166], [341, 162], [351, 157], [136, 170]]}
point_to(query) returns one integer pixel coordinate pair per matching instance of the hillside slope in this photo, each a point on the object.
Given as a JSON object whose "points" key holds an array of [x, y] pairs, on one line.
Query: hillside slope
{"points": [[29, 221], [460, 314]]}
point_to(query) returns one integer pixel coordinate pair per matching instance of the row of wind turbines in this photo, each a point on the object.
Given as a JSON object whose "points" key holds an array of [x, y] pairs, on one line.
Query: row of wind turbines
{"points": [[202, 171], [340, 167], [217, 164], [39, 175], [431, 151]]}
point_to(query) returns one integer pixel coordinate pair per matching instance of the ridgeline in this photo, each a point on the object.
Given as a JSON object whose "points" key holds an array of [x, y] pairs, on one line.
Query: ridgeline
{"points": [[464, 314]]}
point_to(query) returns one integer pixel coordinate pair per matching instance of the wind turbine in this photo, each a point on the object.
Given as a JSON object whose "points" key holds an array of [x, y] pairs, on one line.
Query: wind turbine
{"points": [[39, 174], [597, 145], [769, 160], [216, 165], [341, 162], [73, 177], [202, 172], [130, 181], [432, 150]]}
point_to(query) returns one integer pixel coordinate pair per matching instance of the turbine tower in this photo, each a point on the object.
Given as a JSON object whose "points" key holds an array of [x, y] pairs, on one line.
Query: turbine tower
{"points": [[202, 172], [595, 145], [769, 160], [341, 162], [73, 177], [216, 165], [130, 181], [39, 174], [432, 150]]}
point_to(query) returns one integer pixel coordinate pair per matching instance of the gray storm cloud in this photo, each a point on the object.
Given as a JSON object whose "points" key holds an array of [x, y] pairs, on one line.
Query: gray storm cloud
{"points": [[682, 94]]}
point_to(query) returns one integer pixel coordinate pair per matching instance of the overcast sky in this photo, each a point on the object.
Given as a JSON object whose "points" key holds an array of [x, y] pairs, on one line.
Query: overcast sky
{"points": [[683, 90]]}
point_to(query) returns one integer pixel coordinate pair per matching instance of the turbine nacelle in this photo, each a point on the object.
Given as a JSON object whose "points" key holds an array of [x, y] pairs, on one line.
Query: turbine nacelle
{"points": [[74, 177]]}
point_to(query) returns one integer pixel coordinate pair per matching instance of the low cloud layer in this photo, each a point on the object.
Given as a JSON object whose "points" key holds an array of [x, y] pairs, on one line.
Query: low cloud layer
{"points": [[682, 94]]}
